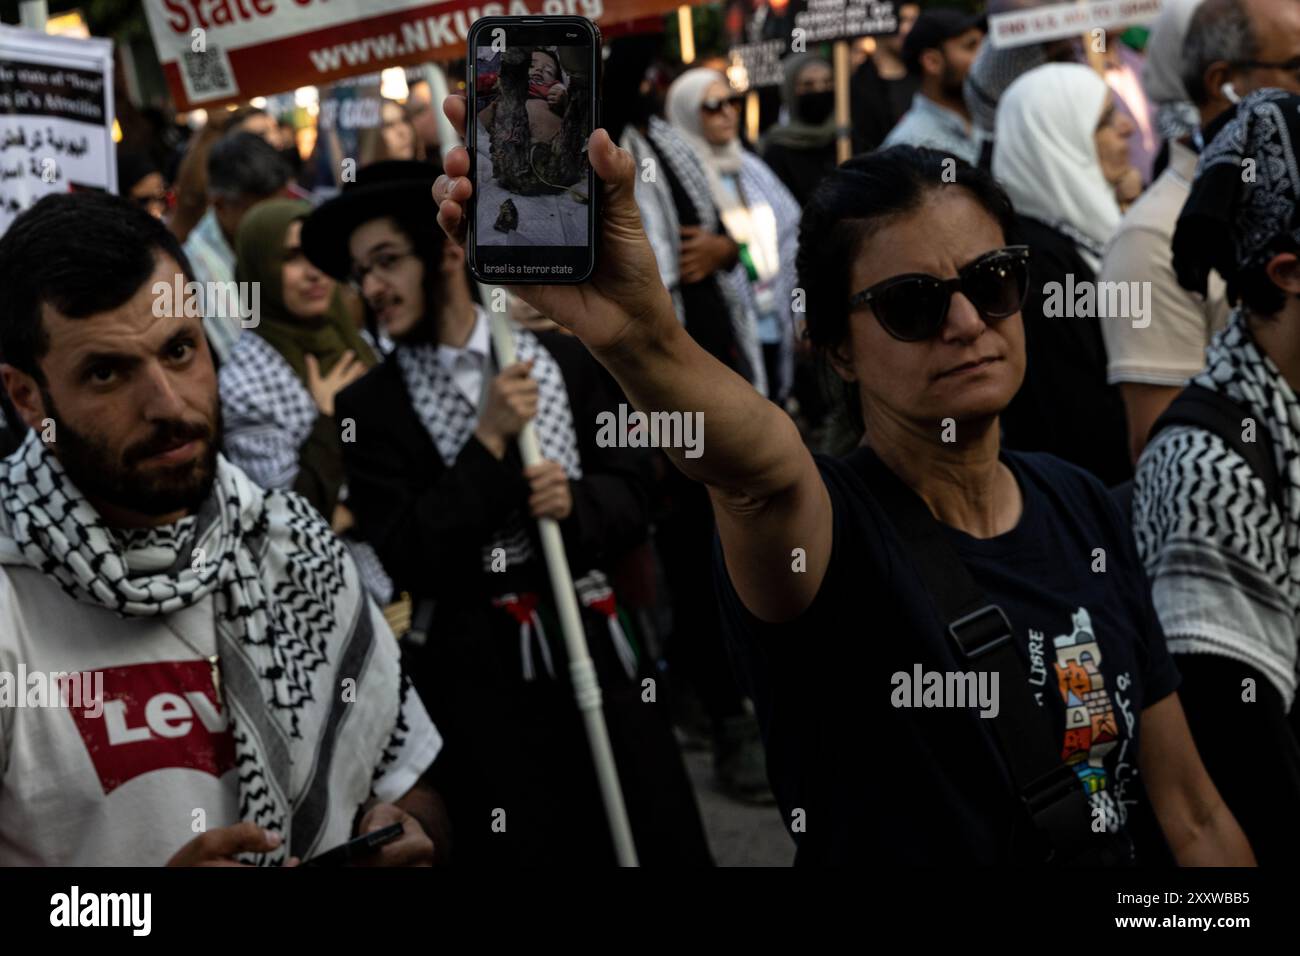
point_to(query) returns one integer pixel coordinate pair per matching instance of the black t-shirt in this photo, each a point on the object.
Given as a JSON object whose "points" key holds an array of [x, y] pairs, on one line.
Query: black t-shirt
{"points": [[801, 169], [877, 104], [857, 778]]}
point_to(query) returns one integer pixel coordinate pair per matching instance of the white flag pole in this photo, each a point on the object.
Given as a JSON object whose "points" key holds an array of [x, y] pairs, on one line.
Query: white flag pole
{"points": [[586, 687]]}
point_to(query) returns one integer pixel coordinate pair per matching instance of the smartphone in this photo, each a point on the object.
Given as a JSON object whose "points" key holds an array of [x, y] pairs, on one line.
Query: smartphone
{"points": [[358, 848], [534, 98]]}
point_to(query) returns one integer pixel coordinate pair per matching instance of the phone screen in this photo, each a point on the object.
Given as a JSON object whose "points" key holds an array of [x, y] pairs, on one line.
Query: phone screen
{"points": [[533, 102]]}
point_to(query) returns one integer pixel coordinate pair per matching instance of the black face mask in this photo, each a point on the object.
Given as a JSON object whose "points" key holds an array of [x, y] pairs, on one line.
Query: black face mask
{"points": [[814, 108]]}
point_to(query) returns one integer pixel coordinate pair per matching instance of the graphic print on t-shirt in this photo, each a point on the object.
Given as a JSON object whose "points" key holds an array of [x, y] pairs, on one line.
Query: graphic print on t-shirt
{"points": [[156, 716], [1091, 731]]}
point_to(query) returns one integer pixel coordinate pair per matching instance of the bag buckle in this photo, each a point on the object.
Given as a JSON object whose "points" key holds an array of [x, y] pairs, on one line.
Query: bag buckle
{"points": [[981, 632], [1045, 797]]}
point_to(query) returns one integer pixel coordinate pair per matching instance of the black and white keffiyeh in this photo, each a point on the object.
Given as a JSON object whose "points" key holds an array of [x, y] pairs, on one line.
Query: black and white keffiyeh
{"points": [[1176, 120], [1245, 198], [733, 285], [292, 623], [267, 414], [450, 419], [1225, 563]]}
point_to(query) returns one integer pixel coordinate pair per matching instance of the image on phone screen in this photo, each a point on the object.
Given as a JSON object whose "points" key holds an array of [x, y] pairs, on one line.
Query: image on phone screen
{"points": [[534, 103]]}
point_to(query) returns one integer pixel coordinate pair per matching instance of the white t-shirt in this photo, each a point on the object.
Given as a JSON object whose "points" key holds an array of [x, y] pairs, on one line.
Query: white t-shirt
{"points": [[130, 785]]}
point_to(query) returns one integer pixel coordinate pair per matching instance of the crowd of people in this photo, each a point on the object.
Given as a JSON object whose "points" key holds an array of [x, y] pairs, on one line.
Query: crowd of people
{"points": [[1006, 399]]}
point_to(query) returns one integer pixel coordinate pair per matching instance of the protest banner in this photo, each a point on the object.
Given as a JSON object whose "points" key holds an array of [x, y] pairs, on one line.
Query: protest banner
{"points": [[220, 51], [56, 118], [1059, 20], [763, 33], [346, 108]]}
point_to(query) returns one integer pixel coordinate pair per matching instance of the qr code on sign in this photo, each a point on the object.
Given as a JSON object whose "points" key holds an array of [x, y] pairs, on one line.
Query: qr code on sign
{"points": [[207, 75]]}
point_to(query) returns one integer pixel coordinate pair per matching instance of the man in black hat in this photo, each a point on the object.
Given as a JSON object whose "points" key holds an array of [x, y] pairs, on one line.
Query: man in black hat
{"points": [[438, 488], [140, 181], [940, 49]]}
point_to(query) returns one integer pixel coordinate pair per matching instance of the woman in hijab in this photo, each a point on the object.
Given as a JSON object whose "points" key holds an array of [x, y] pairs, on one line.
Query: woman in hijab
{"points": [[1060, 152], [1176, 114], [278, 388], [802, 150], [756, 211]]}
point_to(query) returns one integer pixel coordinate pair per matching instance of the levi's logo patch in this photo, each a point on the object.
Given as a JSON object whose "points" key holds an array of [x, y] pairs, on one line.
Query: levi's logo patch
{"points": [[156, 716]]}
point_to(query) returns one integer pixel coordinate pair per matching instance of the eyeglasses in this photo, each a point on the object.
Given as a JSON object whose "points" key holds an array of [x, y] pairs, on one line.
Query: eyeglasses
{"points": [[1291, 66], [716, 105], [913, 307], [384, 262]]}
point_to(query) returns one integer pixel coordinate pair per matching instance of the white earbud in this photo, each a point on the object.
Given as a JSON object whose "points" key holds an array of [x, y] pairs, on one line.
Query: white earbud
{"points": [[1230, 93]]}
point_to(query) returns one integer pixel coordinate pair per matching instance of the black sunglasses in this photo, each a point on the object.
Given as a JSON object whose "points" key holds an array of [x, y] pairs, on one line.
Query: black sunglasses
{"points": [[716, 105], [913, 307]]}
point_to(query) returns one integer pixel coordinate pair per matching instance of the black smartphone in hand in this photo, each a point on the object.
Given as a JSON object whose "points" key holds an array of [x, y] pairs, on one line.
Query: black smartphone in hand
{"points": [[358, 848], [534, 96]]}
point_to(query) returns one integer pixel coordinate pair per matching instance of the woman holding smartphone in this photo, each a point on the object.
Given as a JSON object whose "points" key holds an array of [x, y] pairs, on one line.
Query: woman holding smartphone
{"points": [[914, 296]]}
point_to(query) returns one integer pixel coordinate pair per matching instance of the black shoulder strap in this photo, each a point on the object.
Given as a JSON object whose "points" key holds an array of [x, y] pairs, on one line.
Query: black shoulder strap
{"points": [[983, 637], [1215, 412]]}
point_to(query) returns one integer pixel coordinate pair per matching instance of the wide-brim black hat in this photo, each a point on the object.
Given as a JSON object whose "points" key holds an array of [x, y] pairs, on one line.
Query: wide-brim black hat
{"points": [[385, 188]]}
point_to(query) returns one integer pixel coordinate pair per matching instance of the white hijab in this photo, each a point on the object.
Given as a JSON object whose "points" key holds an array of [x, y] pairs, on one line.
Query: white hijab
{"points": [[1045, 156], [682, 107], [749, 220]]}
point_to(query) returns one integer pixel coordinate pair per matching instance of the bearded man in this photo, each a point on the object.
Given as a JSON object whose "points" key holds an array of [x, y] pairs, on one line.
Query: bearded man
{"points": [[248, 700]]}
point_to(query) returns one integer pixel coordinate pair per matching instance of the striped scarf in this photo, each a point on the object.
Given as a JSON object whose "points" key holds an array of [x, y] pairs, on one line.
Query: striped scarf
{"points": [[267, 414], [450, 419], [1202, 516], [292, 623]]}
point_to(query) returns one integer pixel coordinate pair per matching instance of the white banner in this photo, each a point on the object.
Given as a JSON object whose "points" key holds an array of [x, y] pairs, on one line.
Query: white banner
{"points": [[56, 118], [1060, 20]]}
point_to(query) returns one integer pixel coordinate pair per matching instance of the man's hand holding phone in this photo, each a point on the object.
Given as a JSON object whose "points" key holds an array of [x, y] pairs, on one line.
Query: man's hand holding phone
{"points": [[412, 848]]}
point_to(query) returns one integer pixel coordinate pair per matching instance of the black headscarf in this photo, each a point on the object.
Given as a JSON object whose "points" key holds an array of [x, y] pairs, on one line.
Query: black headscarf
{"points": [[1244, 206]]}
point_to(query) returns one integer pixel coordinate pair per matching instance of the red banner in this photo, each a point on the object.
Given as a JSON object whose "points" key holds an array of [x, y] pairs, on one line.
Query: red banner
{"points": [[219, 51]]}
